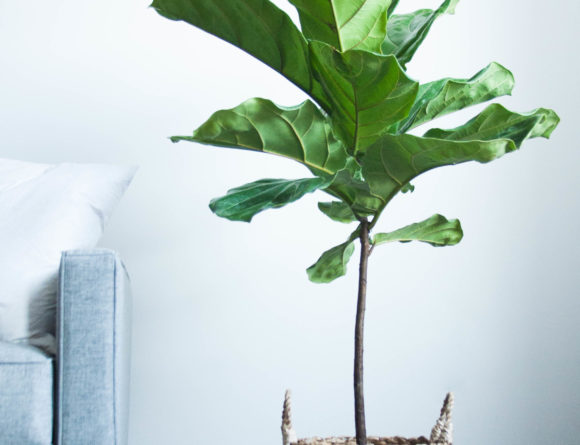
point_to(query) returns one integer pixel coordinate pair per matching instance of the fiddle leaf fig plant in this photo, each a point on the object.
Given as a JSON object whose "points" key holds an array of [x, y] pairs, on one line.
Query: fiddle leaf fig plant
{"points": [[350, 58]]}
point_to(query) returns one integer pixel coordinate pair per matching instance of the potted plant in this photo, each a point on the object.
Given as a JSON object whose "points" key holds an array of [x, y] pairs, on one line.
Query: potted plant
{"points": [[350, 57]]}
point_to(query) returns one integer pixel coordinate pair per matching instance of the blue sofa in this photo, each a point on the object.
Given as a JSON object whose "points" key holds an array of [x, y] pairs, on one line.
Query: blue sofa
{"points": [[79, 397]]}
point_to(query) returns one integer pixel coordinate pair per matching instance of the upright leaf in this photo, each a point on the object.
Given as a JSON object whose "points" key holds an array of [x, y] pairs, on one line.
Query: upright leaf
{"points": [[332, 264], [406, 32], [368, 92], [242, 203], [437, 231], [396, 159], [444, 96], [360, 24], [255, 26], [300, 133]]}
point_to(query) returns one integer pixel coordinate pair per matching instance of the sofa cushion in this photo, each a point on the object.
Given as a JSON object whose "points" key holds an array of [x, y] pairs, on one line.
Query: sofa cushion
{"points": [[26, 400]]}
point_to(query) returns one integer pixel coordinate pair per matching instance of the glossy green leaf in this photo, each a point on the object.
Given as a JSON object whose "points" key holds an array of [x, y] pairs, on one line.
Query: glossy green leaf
{"points": [[368, 92], [256, 26], [242, 203], [437, 231], [406, 32], [300, 133], [337, 211], [396, 159], [332, 264], [444, 96], [360, 24]]}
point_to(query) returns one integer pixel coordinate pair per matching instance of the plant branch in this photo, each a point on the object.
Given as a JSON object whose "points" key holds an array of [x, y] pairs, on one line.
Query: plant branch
{"points": [[359, 403]]}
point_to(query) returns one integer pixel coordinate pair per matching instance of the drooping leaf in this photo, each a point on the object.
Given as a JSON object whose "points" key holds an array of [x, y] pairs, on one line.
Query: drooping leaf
{"points": [[395, 160], [256, 26], [332, 264], [437, 231], [368, 91], [242, 203], [360, 24], [406, 32], [444, 96], [337, 211], [300, 133], [497, 122]]}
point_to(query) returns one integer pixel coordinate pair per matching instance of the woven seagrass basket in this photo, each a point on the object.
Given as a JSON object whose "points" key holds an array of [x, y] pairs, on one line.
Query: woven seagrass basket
{"points": [[441, 434]]}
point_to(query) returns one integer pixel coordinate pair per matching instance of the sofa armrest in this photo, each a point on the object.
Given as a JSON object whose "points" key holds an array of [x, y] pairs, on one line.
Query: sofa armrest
{"points": [[93, 340]]}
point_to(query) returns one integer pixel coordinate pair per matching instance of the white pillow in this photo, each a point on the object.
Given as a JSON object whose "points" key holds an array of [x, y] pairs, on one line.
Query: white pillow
{"points": [[45, 210]]}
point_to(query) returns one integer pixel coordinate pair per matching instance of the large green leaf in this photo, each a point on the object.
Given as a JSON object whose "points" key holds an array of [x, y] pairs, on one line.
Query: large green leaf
{"points": [[396, 159], [242, 203], [338, 211], [406, 32], [368, 91], [360, 24], [300, 133], [444, 96], [332, 264], [437, 231], [255, 26]]}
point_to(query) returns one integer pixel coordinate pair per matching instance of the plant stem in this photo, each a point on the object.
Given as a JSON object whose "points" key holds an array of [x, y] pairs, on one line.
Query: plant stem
{"points": [[359, 401]]}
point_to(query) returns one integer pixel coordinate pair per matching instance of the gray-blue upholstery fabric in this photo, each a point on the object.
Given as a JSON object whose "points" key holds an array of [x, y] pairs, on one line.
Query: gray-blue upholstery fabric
{"points": [[26, 395], [93, 335], [92, 362]]}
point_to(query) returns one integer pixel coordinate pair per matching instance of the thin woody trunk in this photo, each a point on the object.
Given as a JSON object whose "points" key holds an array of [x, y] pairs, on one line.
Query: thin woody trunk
{"points": [[359, 402]]}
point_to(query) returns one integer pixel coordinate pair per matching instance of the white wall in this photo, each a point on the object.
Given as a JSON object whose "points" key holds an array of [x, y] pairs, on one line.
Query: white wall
{"points": [[225, 318]]}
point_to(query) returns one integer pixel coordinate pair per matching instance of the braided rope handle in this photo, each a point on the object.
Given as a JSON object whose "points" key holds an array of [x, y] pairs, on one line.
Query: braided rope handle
{"points": [[441, 434]]}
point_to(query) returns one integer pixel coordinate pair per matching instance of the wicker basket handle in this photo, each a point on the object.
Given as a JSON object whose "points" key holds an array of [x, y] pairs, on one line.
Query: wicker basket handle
{"points": [[288, 433], [442, 432]]}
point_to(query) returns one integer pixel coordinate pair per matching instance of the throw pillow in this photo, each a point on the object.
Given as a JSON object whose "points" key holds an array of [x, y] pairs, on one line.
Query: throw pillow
{"points": [[45, 210]]}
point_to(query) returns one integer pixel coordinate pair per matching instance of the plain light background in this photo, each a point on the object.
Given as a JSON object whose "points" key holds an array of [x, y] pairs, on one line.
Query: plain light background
{"points": [[224, 316]]}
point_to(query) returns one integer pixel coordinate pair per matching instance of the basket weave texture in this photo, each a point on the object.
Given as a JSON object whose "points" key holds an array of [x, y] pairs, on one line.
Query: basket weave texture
{"points": [[441, 434]]}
